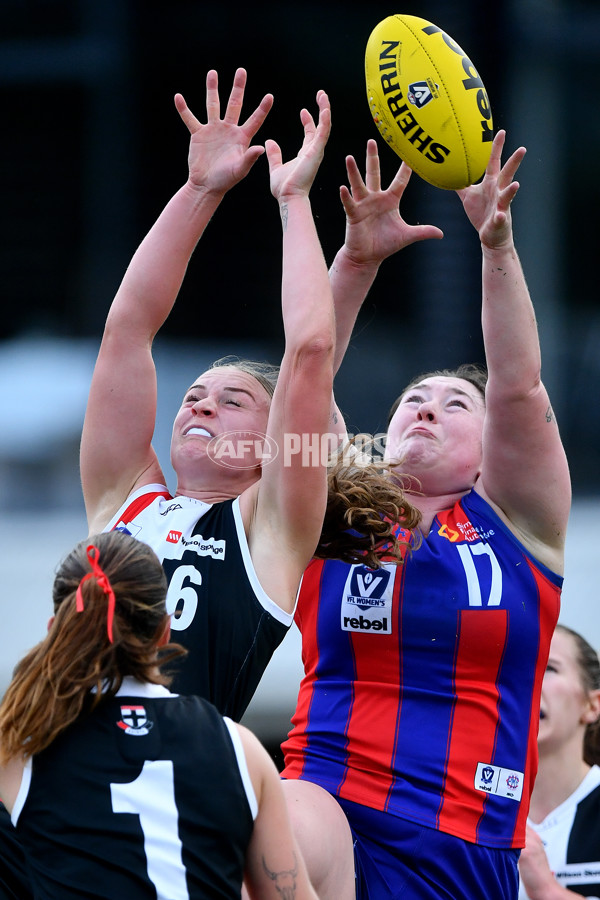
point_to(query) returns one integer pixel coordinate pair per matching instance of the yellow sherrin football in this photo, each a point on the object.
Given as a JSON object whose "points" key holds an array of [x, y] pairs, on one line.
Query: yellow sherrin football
{"points": [[428, 101]]}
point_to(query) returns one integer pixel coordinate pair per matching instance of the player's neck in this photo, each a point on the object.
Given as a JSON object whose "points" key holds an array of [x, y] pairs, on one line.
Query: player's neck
{"points": [[430, 506], [557, 778]]}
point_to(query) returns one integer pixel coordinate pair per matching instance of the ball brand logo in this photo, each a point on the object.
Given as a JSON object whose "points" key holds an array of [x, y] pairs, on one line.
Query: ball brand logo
{"points": [[388, 66], [428, 101], [242, 449], [470, 83]]}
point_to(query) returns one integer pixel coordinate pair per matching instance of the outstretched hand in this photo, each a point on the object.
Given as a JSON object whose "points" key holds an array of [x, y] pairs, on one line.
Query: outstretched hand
{"points": [[295, 177], [487, 204], [374, 227], [220, 154]]}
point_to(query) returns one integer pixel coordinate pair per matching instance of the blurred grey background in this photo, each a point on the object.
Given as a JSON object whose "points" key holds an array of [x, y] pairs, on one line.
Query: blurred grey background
{"points": [[91, 150]]}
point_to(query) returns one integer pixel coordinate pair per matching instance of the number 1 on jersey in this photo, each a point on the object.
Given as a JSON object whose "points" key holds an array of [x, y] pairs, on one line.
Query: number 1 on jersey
{"points": [[152, 797]]}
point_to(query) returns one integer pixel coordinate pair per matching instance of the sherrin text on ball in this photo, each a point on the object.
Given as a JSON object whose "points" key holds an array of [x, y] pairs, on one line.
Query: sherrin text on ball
{"points": [[428, 101]]}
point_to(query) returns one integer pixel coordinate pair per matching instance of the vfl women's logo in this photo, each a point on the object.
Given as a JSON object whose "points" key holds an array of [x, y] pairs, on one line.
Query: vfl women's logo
{"points": [[134, 721], [420, 93], [367, 601], [367, 587]]}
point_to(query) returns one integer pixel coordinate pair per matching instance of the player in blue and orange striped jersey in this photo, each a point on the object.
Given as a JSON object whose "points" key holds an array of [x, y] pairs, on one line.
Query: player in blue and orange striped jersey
{"points": [[414, 737]]}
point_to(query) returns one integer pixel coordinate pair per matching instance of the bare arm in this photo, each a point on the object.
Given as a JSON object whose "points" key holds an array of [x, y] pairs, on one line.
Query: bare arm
{"points": [[375, 230], [274, 865], [11, 774], [285, 509], [116, 450], [524, 471]]}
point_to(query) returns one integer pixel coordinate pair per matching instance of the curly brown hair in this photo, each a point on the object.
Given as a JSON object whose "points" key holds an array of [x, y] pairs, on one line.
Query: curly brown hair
{"points": [[366, 507], [365, 504]]}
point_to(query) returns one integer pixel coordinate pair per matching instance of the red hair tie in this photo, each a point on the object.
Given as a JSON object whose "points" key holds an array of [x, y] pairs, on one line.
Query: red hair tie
{"points": [[93, 555]]}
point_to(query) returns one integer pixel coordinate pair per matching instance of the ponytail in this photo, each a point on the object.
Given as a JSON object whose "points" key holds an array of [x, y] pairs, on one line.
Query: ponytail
{"points": [[108, 624]]}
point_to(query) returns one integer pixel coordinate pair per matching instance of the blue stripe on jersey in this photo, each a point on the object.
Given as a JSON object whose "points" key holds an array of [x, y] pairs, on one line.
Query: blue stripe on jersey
{"points": [[420, 676]]}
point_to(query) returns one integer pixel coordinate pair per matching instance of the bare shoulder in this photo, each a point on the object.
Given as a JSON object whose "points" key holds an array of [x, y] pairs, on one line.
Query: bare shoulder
{"points": [[550, 552]]}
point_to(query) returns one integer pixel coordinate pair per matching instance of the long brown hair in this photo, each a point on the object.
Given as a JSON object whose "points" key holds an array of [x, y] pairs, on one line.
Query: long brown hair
{"points": [[77, 663]]}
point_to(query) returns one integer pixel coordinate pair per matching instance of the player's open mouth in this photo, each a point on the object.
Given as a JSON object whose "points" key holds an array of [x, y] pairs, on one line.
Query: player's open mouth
{"points": [[201, 431]]}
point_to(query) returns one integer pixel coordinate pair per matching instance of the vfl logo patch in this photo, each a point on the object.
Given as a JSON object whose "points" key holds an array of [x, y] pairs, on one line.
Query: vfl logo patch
{"points": [[420, 93], [134, 720], [367, 600], [498, 780]]}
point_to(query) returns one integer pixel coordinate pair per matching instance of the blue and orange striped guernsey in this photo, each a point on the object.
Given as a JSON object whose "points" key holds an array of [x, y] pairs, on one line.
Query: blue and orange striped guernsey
{"points": [[422, 681]]}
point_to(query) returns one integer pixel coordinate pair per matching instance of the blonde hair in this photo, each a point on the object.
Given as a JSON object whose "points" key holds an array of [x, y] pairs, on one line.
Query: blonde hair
{"points": [[265, 373]]}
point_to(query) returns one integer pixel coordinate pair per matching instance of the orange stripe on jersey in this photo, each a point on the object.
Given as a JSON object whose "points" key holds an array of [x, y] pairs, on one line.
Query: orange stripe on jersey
{"points": [[480, 648]]}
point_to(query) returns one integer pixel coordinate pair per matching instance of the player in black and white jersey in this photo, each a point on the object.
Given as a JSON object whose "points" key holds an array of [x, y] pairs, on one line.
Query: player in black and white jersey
{"points": [[118, 787], [562, 856], [246, 515]]}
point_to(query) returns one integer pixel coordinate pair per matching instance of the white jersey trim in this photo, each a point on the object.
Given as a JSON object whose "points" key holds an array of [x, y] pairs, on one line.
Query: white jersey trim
{"points": [[263, 598], [23, 791], [131, 687], [555, 830], [265, 601]]}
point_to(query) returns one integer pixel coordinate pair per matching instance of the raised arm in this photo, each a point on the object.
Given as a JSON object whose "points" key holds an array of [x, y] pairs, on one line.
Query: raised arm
{"points": [[285, 509], [375, 230], [524, 472], [116, 450]]}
